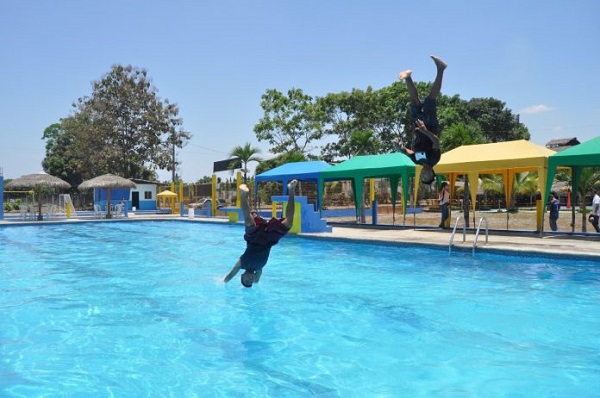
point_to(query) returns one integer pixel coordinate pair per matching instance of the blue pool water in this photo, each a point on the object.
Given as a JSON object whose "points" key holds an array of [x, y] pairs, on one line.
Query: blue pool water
{"points": [[132, 309]]}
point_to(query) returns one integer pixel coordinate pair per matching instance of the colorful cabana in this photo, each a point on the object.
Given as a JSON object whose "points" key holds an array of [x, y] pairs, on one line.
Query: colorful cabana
{"points": [[169, 197], [301, 171], [505, 158], [394, 166], [586, 154]]}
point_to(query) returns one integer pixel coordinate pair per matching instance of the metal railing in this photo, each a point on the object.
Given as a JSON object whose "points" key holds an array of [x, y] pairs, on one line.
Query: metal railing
{"points": [[458, 219], [477, 232], [461, 217]]}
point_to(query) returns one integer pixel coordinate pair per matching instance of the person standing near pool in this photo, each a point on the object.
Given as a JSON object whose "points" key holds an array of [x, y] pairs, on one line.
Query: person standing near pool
{"points": [[426, 145], [595, 211], [260, 236], [444, 197], [554, 206]]}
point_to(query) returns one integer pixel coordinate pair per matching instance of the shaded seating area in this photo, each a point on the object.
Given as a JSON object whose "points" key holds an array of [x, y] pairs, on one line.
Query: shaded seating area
{"points": [[504, 158], [109, 207], [586, 154], [37, 181], [27, 213], [308, 213], [397, 167], [309, 171]]}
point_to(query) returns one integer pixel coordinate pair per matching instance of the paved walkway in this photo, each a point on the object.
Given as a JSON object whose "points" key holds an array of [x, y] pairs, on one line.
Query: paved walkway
{"points": [[563, 244], [554, 244]]}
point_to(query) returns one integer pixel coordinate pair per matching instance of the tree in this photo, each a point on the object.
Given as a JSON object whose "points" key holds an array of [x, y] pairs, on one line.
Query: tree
{"points": [[246, 153], [289, 123], [589, 179], [348, 116], [363, 142], [295, 121], [525, 183], [58, 160], [492, 185], [497, 123], [460, 134], [123, 128]]}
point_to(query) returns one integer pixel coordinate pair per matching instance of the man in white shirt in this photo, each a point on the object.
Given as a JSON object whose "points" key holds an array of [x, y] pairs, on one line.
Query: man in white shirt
{"points": [[595, 211]]}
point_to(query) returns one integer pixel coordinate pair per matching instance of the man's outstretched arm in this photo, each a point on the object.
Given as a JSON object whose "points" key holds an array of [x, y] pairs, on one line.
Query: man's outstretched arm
{"points": [[233, 272], [404, 149], [434, 138]]}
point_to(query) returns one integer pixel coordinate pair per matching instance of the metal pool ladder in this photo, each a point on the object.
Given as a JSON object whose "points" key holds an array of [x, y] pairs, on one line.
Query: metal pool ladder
{"points": [[477, 232], [461, 217]]}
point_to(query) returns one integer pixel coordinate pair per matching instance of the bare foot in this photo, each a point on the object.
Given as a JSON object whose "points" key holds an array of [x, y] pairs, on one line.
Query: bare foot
{"points": [[244, 189], [405, 75], [438, 62], [292, 185]]}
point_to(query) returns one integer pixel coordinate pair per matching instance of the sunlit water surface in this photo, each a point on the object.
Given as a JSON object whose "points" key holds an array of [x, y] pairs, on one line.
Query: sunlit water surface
{"points": [[134, 309]]}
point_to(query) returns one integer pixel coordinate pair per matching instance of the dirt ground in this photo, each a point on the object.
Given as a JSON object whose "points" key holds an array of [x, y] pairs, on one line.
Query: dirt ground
{"points": [[522, 220]]}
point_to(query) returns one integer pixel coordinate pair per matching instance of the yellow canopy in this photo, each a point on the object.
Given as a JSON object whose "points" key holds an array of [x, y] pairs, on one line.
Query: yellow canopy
{"points": [[167, 194], [506, 158], [519, 155]]}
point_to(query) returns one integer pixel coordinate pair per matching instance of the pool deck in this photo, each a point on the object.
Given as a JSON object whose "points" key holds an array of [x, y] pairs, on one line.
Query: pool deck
{"points": [[550, 244], [555, 244]]}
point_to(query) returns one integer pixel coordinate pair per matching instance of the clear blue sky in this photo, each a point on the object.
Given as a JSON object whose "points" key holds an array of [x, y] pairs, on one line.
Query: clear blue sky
{"points": [[216, 58]]}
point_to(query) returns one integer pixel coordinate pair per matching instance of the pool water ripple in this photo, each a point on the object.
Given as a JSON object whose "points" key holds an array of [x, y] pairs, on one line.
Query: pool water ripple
{"points": [[139, 309]]}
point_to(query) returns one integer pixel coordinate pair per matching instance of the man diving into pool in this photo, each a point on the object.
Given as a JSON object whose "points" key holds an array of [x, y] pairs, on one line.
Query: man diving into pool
{"points": [[426, 146], [260, 236]]}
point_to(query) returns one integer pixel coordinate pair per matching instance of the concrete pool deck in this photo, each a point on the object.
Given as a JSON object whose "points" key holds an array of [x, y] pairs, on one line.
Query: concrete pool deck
{"points": [[565, 244], [551, 244]]}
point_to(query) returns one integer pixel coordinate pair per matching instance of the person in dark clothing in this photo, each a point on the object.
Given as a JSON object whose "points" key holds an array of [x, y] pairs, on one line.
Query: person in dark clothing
{"points": [[260, 236], [554, 207], [426, 145]]}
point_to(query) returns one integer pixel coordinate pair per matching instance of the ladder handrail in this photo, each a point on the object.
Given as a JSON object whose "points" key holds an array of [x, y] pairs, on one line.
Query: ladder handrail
{"points": [[477, 232], [454, 231]]}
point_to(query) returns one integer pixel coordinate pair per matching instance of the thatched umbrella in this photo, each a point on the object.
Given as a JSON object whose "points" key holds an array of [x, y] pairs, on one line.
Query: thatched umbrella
{"points": [[107, 181], [37, 181]]}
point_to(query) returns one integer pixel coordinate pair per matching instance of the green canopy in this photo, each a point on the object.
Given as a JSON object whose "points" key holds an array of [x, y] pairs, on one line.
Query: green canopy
{"points": [[586, 154], [390, 165]]}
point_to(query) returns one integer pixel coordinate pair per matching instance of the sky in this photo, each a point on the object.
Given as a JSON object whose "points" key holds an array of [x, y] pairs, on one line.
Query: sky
{"points": [[216, 58]]}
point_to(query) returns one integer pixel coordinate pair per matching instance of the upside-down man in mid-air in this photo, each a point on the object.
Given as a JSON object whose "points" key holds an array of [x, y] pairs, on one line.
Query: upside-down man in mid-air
{"points": [[426, 146], [260, 236]]}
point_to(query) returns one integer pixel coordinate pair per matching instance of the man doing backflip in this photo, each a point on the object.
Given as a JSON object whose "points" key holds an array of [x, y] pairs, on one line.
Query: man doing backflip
{"points": [[426, 145], [260, 235]]}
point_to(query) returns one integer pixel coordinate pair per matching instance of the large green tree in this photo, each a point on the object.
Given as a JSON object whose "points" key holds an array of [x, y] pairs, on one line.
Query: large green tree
{"points": [[497, 123], [123, 128], [59, 158], [348, 116], [290, 122], [459, 134], [332, 120]]}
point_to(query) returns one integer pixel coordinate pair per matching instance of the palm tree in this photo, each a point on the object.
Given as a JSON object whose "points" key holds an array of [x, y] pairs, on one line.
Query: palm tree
{"points": [[246, 153], [493, 185], [363, 142], [588, 180], [525, 183]]}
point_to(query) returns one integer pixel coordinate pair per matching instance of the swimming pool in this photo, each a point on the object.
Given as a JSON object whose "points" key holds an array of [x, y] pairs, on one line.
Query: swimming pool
{"points": [[138, 309]]}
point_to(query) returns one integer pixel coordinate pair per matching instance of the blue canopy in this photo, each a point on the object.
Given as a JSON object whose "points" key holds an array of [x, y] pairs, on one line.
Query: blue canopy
{"points": [[301, 171]]}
